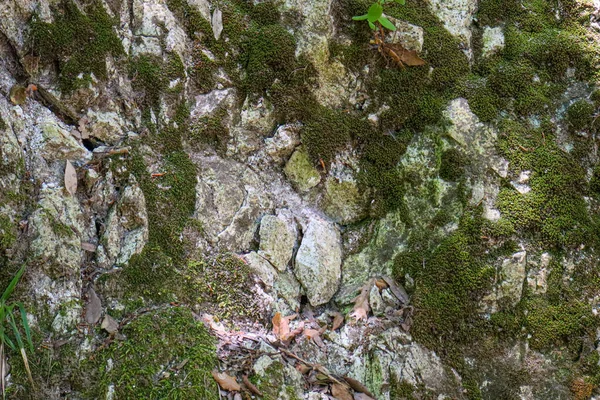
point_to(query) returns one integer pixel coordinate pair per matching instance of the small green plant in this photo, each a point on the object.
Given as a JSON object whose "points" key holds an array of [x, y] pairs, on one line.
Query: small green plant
{"points": [[375, 14], [8, 323]]}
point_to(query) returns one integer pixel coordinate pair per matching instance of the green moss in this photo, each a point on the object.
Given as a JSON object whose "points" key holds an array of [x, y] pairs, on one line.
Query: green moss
{"points": [[267, 55], [554, 211], [8, 234], [452, 165], [579, 115], [211, 130], [326, 133], [170, 201], [167, 355], [3, 125], [152, 75], [77, 42], [402, 391], [265, 13], [221, 286]]}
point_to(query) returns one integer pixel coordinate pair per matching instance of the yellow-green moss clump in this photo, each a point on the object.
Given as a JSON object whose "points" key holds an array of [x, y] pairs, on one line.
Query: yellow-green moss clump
{"points": [[76, 42], [168, 354]]}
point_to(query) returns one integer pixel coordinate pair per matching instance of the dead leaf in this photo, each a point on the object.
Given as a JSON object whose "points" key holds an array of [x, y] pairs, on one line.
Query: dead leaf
{"points": [[281, 326], [357, 386], [380, 283], [217, 23], [315, 335], [341, 392], [410, 57], [362, 396], [338, 320], [70, 178], [225, 381], [303, 368], [93, 308], [109, 324], [361, 302], [397, 290], [250, 386], [87, 246]]}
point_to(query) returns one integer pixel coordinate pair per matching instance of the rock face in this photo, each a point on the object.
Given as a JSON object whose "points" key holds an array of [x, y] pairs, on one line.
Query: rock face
{"points": [[268, 168], [318, 261]]}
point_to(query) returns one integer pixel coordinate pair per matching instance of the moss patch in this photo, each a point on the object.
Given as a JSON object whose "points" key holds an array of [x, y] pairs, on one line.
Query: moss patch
{"points": [[77, 42], [167, 355]]}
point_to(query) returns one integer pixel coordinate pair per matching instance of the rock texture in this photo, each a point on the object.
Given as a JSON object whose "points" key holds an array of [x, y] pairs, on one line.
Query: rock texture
{"points": [[261, 188]]}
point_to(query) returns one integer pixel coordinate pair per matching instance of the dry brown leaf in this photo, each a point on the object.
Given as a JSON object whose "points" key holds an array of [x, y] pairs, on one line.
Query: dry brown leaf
{"points": [[226, 382], [338, 320], [397, 290], [362, 396], [341, 392], [109, 324], [281, 326], [361, 302], [315, 335], [87, 246], [380, 283], [357, 386], [70, 178], [303, 368], [410, 57]]}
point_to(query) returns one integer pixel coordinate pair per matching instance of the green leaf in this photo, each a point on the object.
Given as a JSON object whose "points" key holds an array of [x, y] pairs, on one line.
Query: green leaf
{"points": [[12, 284], [374, 12], [6, 339], [386, 23], [26, 326], [13, 324], [360, 17], [401, 2], [372, 25]]}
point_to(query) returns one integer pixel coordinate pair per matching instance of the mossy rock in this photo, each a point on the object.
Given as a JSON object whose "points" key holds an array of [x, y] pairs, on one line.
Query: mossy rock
{"points": [[77, 42], [167, 354], [301, 171]]}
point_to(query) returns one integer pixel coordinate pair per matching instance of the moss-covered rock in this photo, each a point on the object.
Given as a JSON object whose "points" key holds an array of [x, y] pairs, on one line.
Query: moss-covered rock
{"points": [[166, 354], [301, 171], [77, 42]]}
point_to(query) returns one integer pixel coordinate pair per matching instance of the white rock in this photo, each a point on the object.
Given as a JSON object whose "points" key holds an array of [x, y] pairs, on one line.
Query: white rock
{"points": [[208, 103], [319, 259], [283, 142], [493, 40], [457, 16]]}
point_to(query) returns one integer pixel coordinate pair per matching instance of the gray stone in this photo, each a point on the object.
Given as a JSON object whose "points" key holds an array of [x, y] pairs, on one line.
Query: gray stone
{"points": [[126, 230], [230, 199], [277, 240], [56, 227], [262, 268], [318, 262], [376, 302], [282, 144], [493, 40]]}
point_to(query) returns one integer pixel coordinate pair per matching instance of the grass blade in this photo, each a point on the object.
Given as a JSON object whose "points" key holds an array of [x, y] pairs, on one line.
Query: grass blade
{"points": [[26, 325], [12, 284], [13, 324]]}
